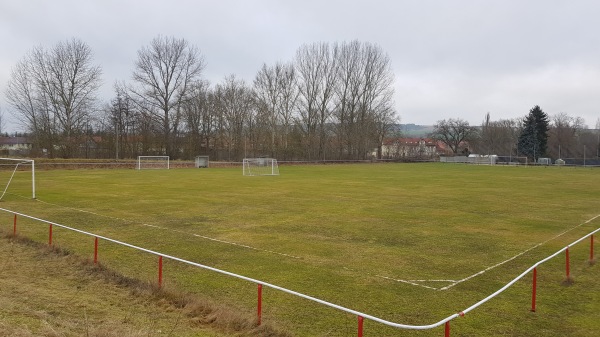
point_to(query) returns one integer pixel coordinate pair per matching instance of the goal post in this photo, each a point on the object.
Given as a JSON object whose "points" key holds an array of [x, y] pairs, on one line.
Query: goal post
{"points": [[260, 167], [153, 163], [10, 167]]}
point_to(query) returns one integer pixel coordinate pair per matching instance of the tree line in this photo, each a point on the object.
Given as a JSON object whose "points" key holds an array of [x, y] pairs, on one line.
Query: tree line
{"points": [[332, 101], [537, 135]]}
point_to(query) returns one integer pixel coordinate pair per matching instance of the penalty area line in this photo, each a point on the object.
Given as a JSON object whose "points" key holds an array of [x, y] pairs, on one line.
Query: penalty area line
{"points": [[455, 282], [407, 282], [172, 230], [514, 257], [223, 241]]}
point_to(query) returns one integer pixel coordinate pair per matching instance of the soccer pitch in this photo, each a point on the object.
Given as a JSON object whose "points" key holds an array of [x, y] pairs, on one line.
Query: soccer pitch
{"points": [[409, 243]]}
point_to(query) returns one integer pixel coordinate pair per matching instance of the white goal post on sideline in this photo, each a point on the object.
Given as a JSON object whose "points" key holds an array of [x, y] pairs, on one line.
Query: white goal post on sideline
{"points": [[260, 167], [153, 163], [12, 165]]}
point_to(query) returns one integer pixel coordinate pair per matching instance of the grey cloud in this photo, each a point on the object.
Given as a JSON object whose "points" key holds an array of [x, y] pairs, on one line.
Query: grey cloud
{"points": [[451, 58]]}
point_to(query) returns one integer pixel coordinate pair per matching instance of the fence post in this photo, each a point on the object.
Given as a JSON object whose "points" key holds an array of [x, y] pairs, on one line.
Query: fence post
{"points": [[15, 226], [95, 250], [160, 271], [360, 326], [533, 289], [591, 245], [50, 235], [447, 329], [259, 305], [567, 264]]}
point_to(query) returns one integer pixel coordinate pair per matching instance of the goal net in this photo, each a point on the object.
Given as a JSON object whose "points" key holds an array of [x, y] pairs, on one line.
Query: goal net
{"points": [[17, 177], [153, 163], [512, 160], [260, 167]]}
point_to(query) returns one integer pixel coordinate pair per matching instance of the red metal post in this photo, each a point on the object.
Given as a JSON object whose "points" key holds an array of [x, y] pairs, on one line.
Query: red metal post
{"points": [[360, 326], [447, 329], [591, 245], [50, 235], [95, 250], [567, 262], [15, 225], [534, 289], [259, 306], [160, 271]]}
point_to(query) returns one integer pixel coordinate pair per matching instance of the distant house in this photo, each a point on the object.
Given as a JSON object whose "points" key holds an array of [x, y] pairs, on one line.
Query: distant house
{"points": [[15, 146], [397, 148]]}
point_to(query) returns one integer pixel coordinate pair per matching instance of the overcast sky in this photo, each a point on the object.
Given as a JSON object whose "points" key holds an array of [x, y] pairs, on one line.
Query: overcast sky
{"points": [[451, 58]]}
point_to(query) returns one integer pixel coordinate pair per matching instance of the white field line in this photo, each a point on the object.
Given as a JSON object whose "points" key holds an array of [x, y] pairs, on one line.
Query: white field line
{"points": [[453, 283], [411, 282], [222, 241], [173, 230], [407, 282]]}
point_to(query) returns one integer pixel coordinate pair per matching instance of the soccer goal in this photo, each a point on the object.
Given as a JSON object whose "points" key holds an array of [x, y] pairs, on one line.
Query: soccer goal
{"points": [[19, 175], [260, 167], [512, 160], [153, 163]]}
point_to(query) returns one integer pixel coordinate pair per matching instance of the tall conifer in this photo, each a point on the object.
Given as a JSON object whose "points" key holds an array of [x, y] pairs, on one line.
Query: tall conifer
{"points": [[533, 140]]}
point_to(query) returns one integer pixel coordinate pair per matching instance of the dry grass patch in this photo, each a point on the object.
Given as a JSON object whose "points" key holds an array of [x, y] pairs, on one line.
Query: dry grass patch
{"points": [[46, 291]]}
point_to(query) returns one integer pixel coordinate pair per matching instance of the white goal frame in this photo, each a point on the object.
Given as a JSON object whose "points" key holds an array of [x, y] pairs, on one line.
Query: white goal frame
{"points": [[19, 162], [260, 167], [154, 161]]}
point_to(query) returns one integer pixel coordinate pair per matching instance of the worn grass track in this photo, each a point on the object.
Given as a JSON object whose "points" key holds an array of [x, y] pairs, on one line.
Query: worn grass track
{"points": [[344, 233]]}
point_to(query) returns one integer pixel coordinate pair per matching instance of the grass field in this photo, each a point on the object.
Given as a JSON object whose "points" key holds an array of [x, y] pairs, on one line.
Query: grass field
{"points": [[390, 240]]}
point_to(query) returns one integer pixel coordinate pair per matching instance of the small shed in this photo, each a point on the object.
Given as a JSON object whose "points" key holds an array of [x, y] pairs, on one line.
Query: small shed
{"points": [[202, 161]]}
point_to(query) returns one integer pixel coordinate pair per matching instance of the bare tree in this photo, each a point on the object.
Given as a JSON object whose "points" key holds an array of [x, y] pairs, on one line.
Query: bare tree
{"points": [[497, 137], [376, 110], [268, 96], [164, 73], [563, 136], [235, 106], [491, 137], [2, 121], [316, 67], [288, 88], [200, 120], [276, 94], [54, 93], [453, 132], [122, 119]]}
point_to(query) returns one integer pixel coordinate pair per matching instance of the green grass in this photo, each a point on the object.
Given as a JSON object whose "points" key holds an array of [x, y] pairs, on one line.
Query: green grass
{"points": [[333, 231]]}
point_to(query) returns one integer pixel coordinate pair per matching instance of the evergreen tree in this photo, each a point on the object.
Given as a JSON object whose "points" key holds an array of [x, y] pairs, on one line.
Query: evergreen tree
{"points": [[533, 139]]}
